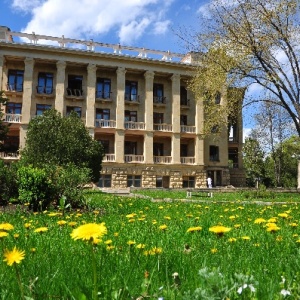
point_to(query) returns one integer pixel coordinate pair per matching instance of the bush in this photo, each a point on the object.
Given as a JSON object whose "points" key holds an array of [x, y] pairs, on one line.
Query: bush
{"points": [[8, 182]]}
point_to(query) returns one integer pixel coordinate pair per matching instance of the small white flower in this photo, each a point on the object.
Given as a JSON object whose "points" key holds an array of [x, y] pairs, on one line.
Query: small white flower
{"points": [[285, 293], [240, 289], [252, 288], [244, 286]]}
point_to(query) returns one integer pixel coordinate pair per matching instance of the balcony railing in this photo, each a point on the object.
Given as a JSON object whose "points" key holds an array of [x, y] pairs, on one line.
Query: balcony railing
{"points": [[134, 125], [162, 159], [159, 100], [187, 160], [74, 92], [105, 123], [188, 129], [134, 158], [162, 127], [12, 118], [109, 158], [9, 155]]}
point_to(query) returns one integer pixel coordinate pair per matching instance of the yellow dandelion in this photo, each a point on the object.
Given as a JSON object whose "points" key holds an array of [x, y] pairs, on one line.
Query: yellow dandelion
{"points": [[259, 221], [27, 225], [167, 218], [279, 238], [6, 226], [130, 216], [194, 229], [110, 247], [237, 225], [61, 222], [214, 250], [140, 246], [33, 250], [245, 238], [272, 227], [294, 224], [130, 243], [257, 245], [16, 235], [131, 220], [116, 234], [232, 218], [272, 220], [89, 231], [161, 207], [41, 229], [283, 215], [72, 223], [108, 242], [13, 256], [232, 240], [155, 250], [53, 214], [219, 229], [154, 222], [3, 234], [163, 227]]}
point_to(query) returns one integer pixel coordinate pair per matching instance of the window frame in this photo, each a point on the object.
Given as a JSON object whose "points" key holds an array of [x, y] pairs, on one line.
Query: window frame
{"points": [[12, 107], [77, 109], [103, 88], [214, 153], [131, 91], [15, 80], [45, 83], [42, 108], [134, 180]]}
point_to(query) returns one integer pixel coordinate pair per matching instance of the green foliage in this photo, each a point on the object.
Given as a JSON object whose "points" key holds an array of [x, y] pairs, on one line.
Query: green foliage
{"points": [[56, 140], [3, 127], [35, 187], [8, 182]]}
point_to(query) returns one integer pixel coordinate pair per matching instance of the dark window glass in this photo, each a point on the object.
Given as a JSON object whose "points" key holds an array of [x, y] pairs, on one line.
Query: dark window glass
{"points": [[105, 181], [213, 153], [15, 80], [183, 96], [40, 108], [45, 83], [188, 181], [158, 93], [183, 150], [130, 116], [14, 108], [102, 114], [158, 118], [134, 180], [130, 148], [103, 88], [76, 109], [75, 85], [105, 145], [183, 119], [158, 149], [131, 90]]}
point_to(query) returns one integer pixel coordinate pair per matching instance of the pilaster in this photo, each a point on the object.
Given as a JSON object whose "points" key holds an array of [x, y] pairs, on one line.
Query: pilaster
{"points": [[1, 72], [120, 98], [149, 76], [27, 90], [119, 146], [176, 102], [148, 147], [60, 86], [176, 148], [91, 92]]}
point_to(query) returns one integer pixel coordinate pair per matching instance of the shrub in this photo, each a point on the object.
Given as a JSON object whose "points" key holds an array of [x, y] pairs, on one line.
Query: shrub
{"points": [[8, 182]]}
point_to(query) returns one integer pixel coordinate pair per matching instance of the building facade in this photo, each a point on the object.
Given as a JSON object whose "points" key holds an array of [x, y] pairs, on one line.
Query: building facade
{"points": [[135, 101]]}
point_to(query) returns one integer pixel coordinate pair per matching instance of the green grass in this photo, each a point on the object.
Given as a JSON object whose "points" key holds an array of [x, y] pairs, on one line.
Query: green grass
{"points": [[209, 266]]}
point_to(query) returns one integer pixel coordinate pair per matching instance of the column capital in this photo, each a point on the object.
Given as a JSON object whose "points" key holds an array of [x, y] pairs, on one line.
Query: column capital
{"points": [[149, 75], [121, 71], [175, 77], [29, 61], [61, 64], [91, 67], [2, 59]]}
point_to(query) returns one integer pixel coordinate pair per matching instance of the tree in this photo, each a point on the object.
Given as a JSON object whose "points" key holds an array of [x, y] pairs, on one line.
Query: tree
{"points": [[3, 127], [246, 42], [56, 140]]}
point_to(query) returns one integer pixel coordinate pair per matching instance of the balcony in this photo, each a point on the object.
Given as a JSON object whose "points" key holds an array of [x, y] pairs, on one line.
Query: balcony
{"points": [[9, 155], [132, 158], [103, 96], [187, 129], [162, 159], [162, 127], [109, 158], [187, 160], [101, 123], [12, 118], [159, 101], [75, 94], [132, 99], [134, 125]]}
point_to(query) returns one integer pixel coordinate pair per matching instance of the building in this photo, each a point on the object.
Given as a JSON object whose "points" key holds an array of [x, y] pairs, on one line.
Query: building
{"points": [[134, 101]]}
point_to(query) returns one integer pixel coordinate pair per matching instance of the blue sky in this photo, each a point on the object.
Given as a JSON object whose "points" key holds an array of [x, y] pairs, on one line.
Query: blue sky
{"points": [[141, 23]]}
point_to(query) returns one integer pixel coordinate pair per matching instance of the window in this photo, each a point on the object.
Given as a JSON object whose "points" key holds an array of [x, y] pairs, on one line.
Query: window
{"points": [[103, 88], [218, 98], [102, 114], [188, 181], [163, 181], [158, 93], [11, 144], [76, 109], [134, 180], [74, 85], [14, 108], [158, 149], [183, 96], [104, 181], [105, 145], [213, 153], [130, 148], [183, 150], [233, 157], [40, 108], [158, 118], [15, 80], [45, 83], [183, 119], [130, 116], [131, 90]]}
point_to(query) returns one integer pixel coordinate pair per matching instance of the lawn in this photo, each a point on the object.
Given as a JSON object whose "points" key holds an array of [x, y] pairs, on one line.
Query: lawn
{"points": [[154, 250]]}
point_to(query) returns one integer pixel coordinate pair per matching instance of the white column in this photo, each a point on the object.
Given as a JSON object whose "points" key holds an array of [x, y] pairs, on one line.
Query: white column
{"points": [[148, 147], [120, 98], [176, 102], [119, 146], [149, 76], [199, 122], [91, 94], [60, 86], [27, 90], [176, 148]]}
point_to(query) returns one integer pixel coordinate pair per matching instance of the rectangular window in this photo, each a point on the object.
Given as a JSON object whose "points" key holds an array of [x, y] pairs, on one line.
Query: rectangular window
{"points": [[183, 119], [45, 83], [102, 114], [158, 93], [76, 109], [105, 145], [40, 108], [14, 108], [15, 80], [214, 153], [158, 118], [130, 116], [131, 91], [158, 149], [104, 181], [163, 181], [75, 85], [103, 88], [134, 180], [130, 148], [188, 181], [183, 96], [183, 150]]}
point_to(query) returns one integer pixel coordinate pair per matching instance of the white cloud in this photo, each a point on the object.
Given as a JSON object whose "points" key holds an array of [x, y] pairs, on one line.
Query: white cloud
{"points": [[128, 20]]}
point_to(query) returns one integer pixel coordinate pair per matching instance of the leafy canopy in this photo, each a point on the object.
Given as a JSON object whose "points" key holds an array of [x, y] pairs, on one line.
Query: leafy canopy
{"points": [[53, 139], [3, 127]]}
